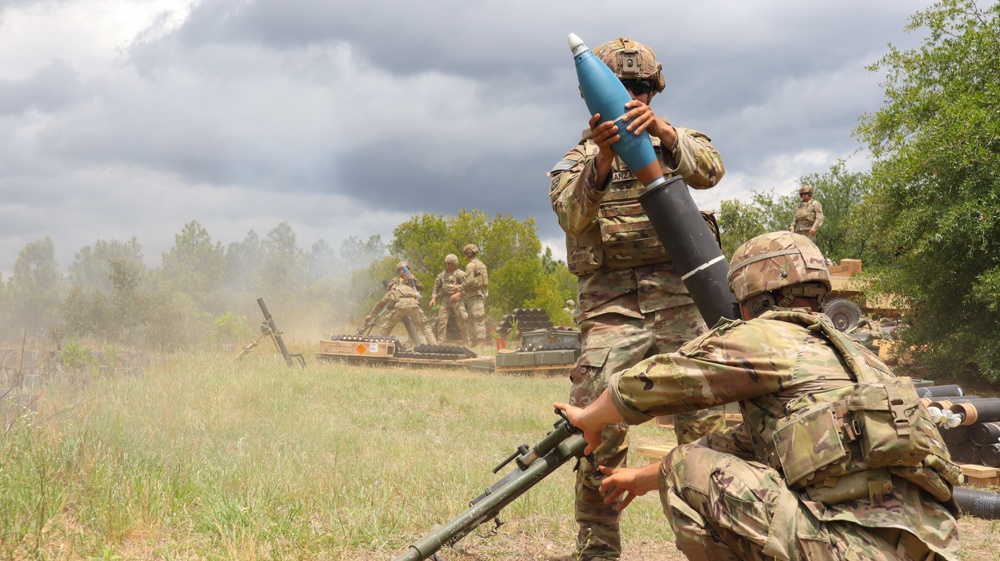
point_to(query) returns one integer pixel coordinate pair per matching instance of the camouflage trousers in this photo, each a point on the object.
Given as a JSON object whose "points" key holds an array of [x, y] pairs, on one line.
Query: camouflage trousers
{"points": [[418, 319], [722, 508], [477, 311], [805, 232], [457, 311], [611, 343]]}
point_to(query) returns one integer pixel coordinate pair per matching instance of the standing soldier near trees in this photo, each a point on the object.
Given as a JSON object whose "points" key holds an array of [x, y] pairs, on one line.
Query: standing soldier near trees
{"points": [[632, 300], [808, 214], [447, 283], [475, 290]]}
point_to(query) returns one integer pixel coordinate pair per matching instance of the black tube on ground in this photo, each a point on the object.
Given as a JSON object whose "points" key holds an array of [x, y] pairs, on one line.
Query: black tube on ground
{"points": [[984, 433], [989, 455], [978, 503], [968, 453], [956, 435], [981, 411], [940, 391], [692, 247]]}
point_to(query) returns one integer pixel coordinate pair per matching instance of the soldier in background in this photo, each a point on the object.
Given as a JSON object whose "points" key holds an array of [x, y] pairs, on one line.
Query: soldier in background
{"points": [[475, 290], [402, 302], [808, 214], [632, 301], [447, 283], [836, 458]]}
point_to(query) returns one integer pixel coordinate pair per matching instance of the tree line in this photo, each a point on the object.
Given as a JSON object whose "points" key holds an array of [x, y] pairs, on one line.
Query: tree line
{"points": [[205, 294]]}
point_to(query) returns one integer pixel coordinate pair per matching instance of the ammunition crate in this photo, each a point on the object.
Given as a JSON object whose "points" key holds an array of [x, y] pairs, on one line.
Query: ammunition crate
{"points": [[357, 348], [543, 358], [564, 336], [515, 359], [535, 337]]}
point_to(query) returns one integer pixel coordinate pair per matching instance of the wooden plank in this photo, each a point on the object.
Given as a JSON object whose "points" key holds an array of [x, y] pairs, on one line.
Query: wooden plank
{"points": [[980, 476], [653, 452]]}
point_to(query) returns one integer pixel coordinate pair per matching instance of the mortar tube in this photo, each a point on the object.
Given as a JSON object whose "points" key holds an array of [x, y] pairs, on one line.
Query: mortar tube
{"points": [[978, 503], [984, 411], [692, 248]]}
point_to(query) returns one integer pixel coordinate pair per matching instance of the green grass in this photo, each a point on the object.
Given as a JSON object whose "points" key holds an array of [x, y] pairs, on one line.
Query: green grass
{"points": [[203, 458]]}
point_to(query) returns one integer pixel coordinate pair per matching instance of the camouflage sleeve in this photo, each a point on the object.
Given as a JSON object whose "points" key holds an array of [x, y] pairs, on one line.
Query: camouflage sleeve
{"points": [[819, 214], [696, 159], [723, 366], [438, 286], [573, 191], [383, 302], [418, 285]]}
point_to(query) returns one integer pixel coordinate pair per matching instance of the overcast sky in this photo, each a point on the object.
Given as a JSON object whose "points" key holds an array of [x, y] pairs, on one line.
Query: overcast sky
{"points": [[122, 118]]}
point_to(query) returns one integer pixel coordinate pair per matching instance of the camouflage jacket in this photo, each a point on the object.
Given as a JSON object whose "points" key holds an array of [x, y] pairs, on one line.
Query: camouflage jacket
{"points": [[416, 283], [769, 365], [399, 296], [477, 279], [808, 215], [444, 283], [577, 198]]}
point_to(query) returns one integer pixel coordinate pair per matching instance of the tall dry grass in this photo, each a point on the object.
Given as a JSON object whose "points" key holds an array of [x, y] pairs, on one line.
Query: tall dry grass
{"points": [[204, 458]]}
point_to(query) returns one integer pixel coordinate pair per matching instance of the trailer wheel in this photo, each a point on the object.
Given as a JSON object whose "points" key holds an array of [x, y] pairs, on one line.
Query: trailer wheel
{"points": [[844, 313]]}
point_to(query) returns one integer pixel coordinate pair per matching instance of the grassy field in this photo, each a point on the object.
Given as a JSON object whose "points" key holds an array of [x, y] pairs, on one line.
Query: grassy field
{"points": [[203, 458]]}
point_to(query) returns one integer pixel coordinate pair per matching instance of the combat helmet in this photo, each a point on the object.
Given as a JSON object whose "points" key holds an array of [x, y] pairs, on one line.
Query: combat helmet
{"points": [[779, 264], [630, 60], [401, 265], [471, 248], [805, 189], [451, 258]]}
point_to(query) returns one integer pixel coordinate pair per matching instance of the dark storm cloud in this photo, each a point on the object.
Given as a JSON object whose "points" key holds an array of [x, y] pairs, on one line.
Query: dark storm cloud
{"points": [[344, 118]]}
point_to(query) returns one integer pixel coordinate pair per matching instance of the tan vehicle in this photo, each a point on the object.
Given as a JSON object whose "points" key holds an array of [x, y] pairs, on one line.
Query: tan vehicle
{"points": [[848, 303]]}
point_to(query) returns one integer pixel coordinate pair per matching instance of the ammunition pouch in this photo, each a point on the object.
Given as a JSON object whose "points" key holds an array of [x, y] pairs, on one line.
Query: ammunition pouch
{"points": [[832, 444]]}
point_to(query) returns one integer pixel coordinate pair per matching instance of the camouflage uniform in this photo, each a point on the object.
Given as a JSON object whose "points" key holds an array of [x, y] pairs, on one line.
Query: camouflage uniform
{"points": [[443, 289], [775, 486], [632, 301], [808, 215], [401, 299], [475, 290]]}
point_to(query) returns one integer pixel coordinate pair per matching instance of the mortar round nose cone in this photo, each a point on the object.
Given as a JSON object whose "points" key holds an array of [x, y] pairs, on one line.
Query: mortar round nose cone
{"points": [[574, 41]]}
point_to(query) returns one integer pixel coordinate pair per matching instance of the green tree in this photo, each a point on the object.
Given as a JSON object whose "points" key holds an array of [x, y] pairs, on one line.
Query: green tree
{"points": [[91, 268], [33, 295], [934, 208], [195, 266]]}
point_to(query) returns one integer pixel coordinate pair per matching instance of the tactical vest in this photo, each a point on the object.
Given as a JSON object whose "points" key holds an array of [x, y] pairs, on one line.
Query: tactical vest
{"points": [[805, 216], [845, 444], [623, 237]]}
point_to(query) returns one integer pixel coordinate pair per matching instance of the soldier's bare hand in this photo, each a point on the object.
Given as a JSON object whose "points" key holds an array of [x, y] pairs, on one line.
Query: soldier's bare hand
{"points": [[433, 299], [635, 482], [640, 117], [455, 297], [592, 432]]}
